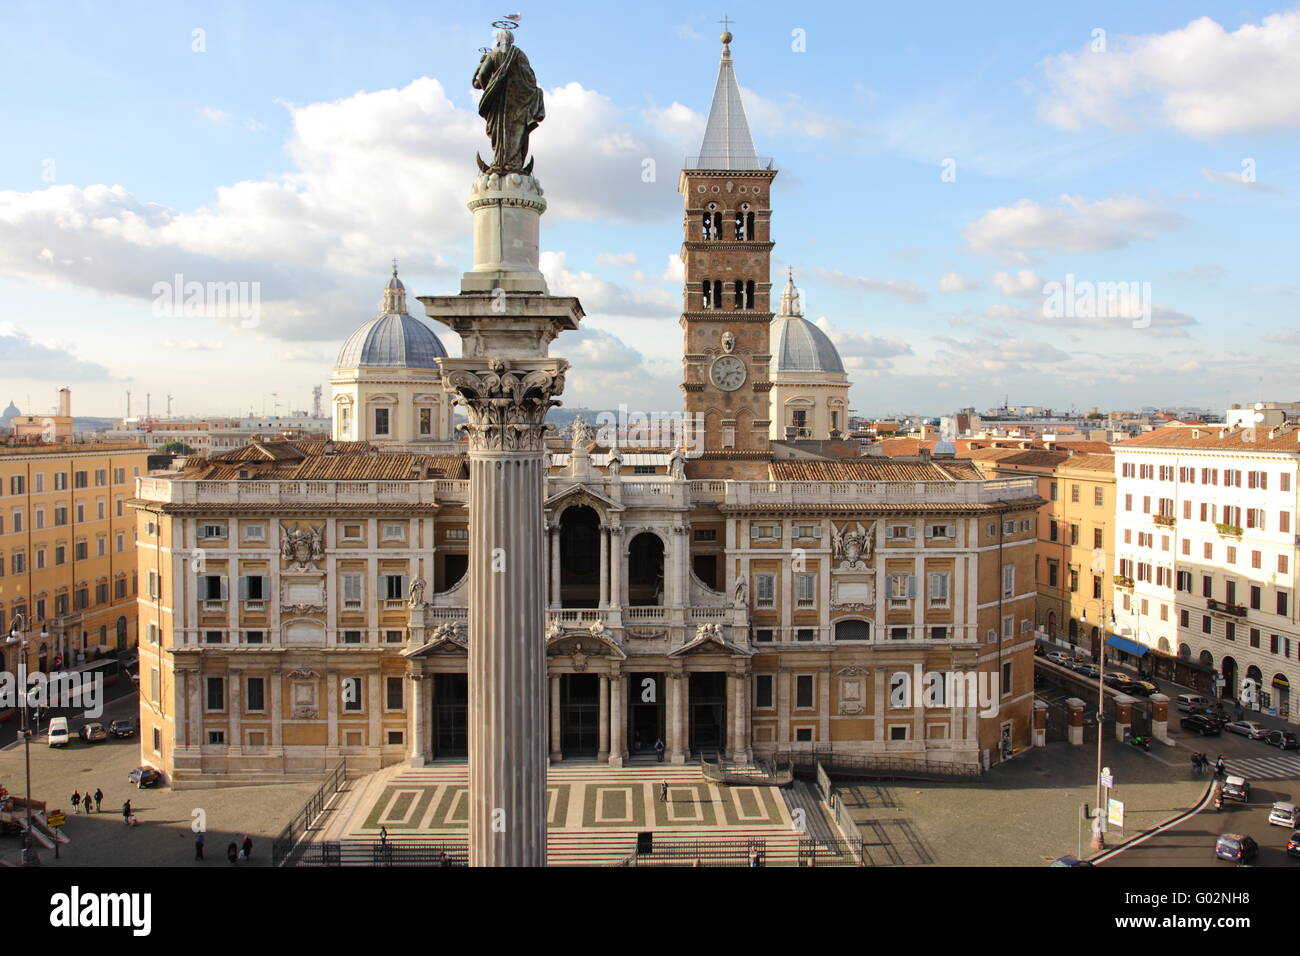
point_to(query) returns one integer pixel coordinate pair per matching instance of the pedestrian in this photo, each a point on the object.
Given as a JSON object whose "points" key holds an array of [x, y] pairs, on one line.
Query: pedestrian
{"points": [[1220, 767], [1196, 763], [198, 845], [232, 853], [248, 846], [1241, 713], [663, 792], [99, 799], [383, 836], [126, 813], [659, 749], [76, 802]]}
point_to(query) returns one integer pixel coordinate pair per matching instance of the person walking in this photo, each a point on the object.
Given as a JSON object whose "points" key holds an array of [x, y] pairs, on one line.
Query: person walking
{"points": [[76, 802], [659, 749], [99, 799], [232, 853], [1220, 767], [663, 792], [198, 845], [1196, 763], [248, 846], [126, 813]]}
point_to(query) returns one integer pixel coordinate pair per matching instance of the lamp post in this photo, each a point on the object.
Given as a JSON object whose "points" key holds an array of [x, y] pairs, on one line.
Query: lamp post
{"points": [[1099, 841], [16, 636]]}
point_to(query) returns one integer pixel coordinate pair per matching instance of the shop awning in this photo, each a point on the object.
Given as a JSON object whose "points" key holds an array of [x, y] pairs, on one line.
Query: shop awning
{"points": [[1127, 646]]}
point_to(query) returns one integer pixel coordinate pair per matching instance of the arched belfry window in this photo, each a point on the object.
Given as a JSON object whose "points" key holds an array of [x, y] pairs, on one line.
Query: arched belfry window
{"points": [[749, 225], [741, 234], [740, 294]]}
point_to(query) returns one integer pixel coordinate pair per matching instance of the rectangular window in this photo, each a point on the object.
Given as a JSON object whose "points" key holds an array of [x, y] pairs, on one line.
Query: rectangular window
{"points": [[381, 421], [805, 590], [351, 637], [393, 637], [256, 694], [351, 591], [394, 696], [1008, 580], [706, 534], [938, 589], [426, 421], [350, 688], [763, 690], [1283, 603], [803, 684], [765, 590], [394, 532], [254, 637], [763, 635], [216, 693]]}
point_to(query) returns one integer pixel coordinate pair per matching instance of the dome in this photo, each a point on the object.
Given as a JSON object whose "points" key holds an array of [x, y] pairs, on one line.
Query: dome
{"points": [[797, 344], [392, 339]]}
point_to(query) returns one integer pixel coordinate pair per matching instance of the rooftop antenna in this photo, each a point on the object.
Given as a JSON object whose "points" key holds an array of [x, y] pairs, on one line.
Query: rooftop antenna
{"points": [[169, 404]]}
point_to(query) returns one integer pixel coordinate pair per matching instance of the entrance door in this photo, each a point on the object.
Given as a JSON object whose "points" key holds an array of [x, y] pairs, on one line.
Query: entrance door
{"points": [[450, 715], [708, 711], [646, 694], [579, 715]]}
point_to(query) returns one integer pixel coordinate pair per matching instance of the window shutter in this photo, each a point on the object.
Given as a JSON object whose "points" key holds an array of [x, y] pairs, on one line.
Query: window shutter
{"points": [[401, 585], [243, 588], [224, 593], [911, 586]]}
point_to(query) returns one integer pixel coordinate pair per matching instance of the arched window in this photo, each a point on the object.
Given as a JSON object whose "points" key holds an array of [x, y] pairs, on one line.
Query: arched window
{"points": [[853, 630], [749, 225], [708, 226], [741, 235], [749, 294], [740, 294]]}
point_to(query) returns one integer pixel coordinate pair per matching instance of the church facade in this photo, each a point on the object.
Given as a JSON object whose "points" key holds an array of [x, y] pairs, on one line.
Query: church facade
{"points": [[305, 602]]}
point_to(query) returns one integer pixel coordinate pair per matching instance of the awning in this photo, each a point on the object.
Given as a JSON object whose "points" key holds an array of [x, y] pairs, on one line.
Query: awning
{"points": [[1127, 646]]}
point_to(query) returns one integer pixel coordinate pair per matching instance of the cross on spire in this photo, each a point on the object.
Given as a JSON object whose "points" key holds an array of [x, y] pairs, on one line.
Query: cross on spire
{"points": [[394, 267], [726, 23]]}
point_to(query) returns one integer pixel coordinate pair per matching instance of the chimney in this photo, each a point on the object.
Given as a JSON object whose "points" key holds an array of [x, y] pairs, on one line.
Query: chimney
{"points": [[65, 402]]}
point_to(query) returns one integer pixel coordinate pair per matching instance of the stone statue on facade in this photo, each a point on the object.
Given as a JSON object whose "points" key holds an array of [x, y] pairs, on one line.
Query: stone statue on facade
{"points": [[511, 104], [851, 545], [417, 593], [677, 464], [742, 591], [581, 435], [302, 547]]}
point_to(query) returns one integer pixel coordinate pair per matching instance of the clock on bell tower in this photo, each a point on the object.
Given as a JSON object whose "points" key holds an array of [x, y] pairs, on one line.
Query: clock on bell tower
{"points": [[726, 315]]}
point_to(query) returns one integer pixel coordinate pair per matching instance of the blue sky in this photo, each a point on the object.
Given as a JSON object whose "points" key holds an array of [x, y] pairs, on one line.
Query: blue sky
{"points": [[303, 146]]}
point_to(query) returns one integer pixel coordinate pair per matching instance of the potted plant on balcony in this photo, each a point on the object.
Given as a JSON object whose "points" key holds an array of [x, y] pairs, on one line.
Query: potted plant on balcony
{"points": [[1228, 529]]}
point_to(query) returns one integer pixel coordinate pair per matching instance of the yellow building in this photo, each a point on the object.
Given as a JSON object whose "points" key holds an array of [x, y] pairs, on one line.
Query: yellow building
{"points": [[1076, 521], [67, 549]]}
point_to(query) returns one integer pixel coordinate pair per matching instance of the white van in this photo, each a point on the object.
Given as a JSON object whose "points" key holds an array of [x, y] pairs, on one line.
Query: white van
{"points": [[1188, 701], [58, 732]]}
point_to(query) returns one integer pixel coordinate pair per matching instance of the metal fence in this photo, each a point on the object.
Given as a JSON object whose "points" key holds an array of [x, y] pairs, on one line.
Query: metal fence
{"points": [[702, 853], [830, 853], [282, 848], [381, 853], [876, 765]]}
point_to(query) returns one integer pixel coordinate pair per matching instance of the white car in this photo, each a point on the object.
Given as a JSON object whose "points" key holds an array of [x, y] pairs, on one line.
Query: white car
{"points": [[1247, 728], [58, 732], [1056, 657], [1284, 815]]}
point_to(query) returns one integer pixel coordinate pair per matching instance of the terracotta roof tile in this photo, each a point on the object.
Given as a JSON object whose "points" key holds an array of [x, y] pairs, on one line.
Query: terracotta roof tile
{"points": [[874, 469]]}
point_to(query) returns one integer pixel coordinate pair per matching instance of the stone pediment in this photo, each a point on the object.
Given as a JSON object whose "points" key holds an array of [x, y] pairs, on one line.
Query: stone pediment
{"points": [[708, 639], [579, 494], [449, 638], [582, 643]]}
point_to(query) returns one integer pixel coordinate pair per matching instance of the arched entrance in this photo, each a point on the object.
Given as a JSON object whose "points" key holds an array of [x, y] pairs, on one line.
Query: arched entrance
{"points": [[708, 711], [580, 715], [579, 557], [1282, 695], [1254, 694], [43, 659], [1229, 671], [121, 633], [1051, 624], [645, 571], [450, 715]]}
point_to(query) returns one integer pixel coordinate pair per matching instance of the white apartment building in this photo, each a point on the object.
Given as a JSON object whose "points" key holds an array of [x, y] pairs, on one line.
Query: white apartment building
{"points": [[1206, 557]]}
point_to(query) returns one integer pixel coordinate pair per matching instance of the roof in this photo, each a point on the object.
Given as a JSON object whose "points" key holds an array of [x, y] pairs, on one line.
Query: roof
{"points": [[873, 469], [727, 143], [391, 341], [1283, 438], [800, 346], [321, 461], [1104, 463]]}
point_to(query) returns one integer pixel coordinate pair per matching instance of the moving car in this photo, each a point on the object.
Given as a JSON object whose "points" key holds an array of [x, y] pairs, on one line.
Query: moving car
{"points": [[1089, 671], [1282, 739], [1056, 657], [144, 777], [1198, 724], [123, 727], [1248, 728], [1236, 788], [1235, 848], [1190, 702], [1209, 713], [1143, 687], [1284, 814], [93, 732], [58, 732], [1114, 679], [1293, 844]]}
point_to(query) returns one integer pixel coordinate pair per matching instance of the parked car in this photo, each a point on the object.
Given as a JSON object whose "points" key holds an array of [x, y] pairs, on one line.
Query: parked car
{"points": [[1248, 728], [1282, 739], [1056, 657], [58, 732], [1293, 844], [1235, 848], [1209, 713], [1038, 651], [1090, 671], [1069, 861], [144, 777], [123, 727], [1114, 680], [1198, 724], [1192, 702], [1236, 788], [1284, 814], [93, 732]]}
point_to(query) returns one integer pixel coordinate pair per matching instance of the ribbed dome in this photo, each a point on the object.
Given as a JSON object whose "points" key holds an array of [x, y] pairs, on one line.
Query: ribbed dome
{"points": [[797, 344], [393, 339]]}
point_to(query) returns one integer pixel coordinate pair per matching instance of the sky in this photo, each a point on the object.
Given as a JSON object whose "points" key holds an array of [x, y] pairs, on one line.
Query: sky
{"points": [[962, 189]]}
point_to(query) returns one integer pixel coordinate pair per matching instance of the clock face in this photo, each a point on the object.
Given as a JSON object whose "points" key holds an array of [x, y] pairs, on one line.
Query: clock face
{"points": [[727, 373]]}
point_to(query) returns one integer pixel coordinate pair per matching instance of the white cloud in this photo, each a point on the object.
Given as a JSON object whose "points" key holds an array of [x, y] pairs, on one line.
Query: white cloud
{"points": [[966, 358], [1024, 283], [956, 282], [616, 258], [600, 296], [1200, 79], [863, 351], [899, 288], [192, 345], [1074, 225], [23, 357], [1238, 179]]}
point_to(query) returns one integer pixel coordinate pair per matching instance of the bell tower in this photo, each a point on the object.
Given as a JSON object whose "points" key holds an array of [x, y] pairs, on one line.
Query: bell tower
{"points": [[726, 312]]}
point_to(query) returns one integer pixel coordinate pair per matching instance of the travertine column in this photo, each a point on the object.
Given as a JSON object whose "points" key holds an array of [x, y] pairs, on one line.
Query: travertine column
{"points": [[555, 566], [617, 722], [603, 751], [673, 703], [604, 567], [506, 382], [616, 567], [415, 727], [555, 717]]}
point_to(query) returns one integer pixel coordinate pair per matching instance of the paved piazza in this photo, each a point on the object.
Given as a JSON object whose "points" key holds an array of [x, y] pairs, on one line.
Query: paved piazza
{"points": [[593, 812]]}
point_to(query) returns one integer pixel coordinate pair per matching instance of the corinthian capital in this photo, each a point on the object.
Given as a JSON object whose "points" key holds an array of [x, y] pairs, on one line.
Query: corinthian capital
{"points": [[506, 406]]}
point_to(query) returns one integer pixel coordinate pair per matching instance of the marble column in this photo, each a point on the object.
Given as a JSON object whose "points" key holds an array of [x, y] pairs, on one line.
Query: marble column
{"points": [[617, 721], [506, 382], [603, 752], [616, 557], [604, 567], [677, 692], [417, 719], [556, 754], [555, 566]]}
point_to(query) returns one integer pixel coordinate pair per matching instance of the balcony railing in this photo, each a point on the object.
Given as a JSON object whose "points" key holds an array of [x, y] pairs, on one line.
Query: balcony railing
{"points": [[1223, 607], [1167, 520]]}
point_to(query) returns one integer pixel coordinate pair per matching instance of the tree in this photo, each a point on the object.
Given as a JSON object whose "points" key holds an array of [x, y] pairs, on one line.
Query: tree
{"points": [[175, 448]]}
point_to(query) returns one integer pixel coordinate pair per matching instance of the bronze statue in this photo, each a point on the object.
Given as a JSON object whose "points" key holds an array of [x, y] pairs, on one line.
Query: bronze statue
{"points": [[511, 103]]}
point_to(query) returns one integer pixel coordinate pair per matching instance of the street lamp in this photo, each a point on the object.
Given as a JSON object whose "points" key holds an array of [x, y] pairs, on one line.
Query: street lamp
{"points": [[16, 636], [1098, 841]]}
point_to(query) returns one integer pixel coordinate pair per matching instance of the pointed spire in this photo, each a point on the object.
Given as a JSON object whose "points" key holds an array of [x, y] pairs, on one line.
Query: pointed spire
{"points": [[727, 143], [790, 297], [394, 295]]}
